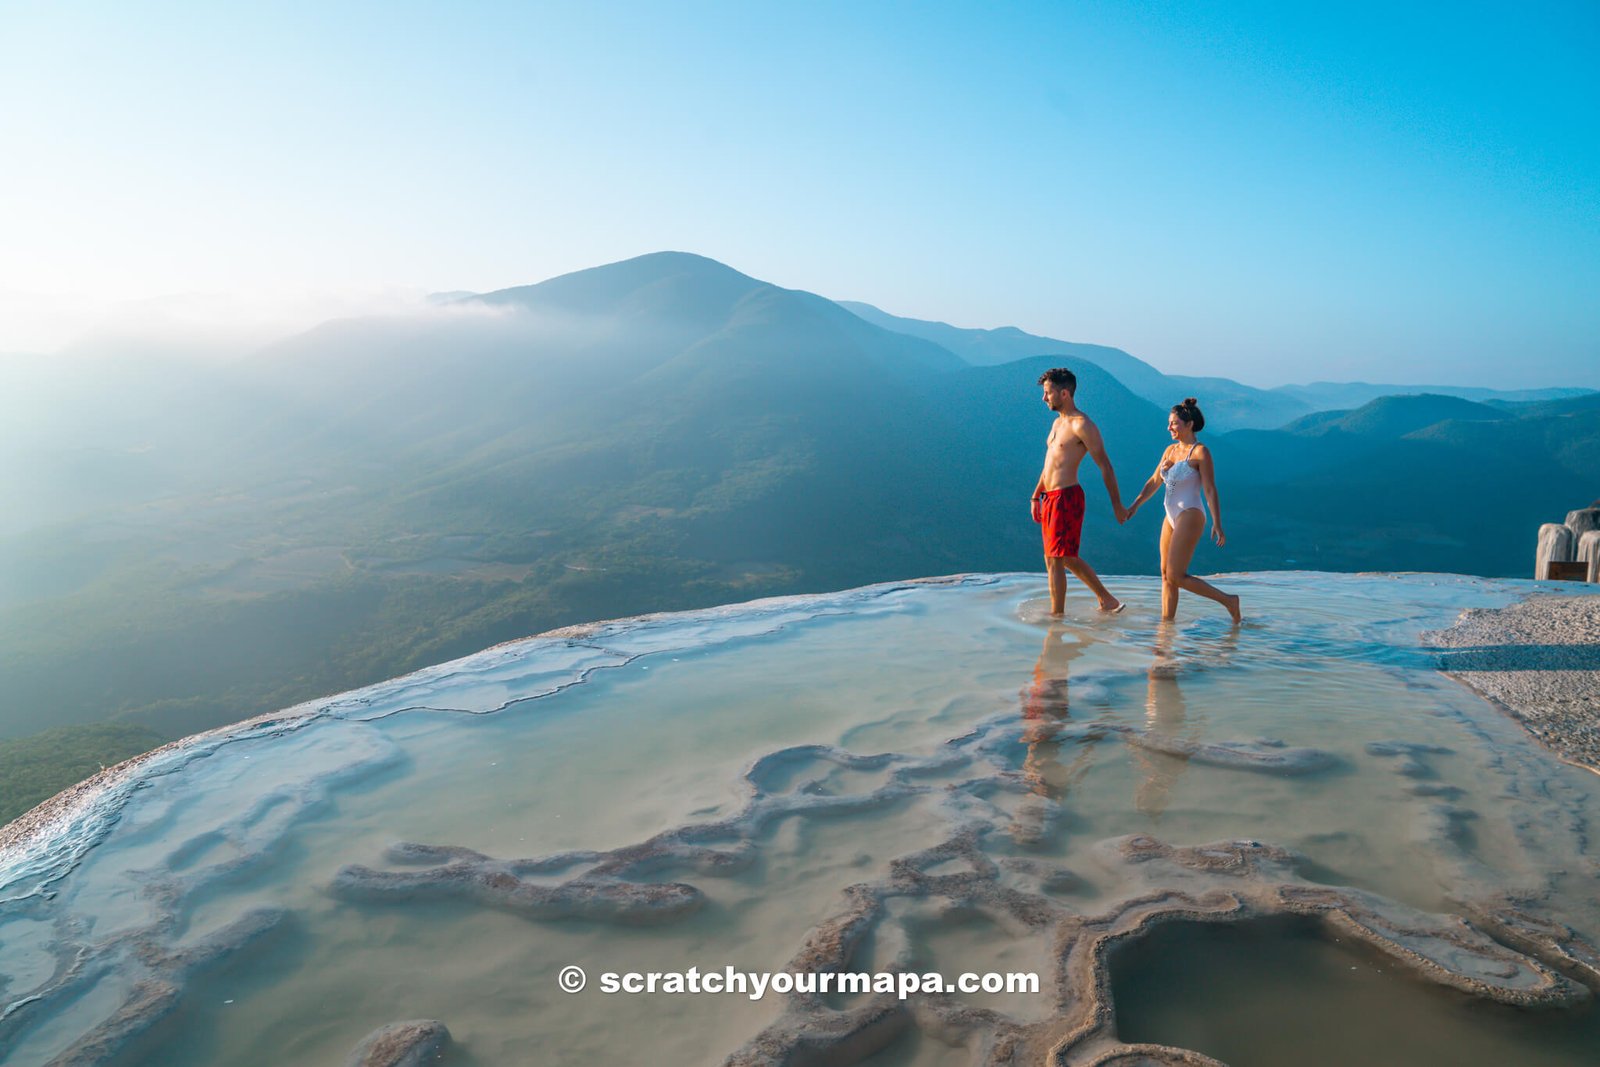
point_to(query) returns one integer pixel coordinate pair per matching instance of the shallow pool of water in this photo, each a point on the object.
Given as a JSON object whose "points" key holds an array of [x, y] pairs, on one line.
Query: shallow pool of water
{"points": [[1274, 992], [1320, 727]]}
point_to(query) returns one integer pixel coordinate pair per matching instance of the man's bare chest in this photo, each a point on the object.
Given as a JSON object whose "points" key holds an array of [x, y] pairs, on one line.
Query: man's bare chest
{"points": [[1063, 442]]}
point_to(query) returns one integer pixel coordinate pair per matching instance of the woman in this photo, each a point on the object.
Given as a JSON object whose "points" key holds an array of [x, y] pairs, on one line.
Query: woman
{"points": [[1187, 471]]}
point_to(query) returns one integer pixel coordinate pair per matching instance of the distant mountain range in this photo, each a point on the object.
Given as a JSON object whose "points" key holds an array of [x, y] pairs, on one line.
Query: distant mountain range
{"points": [[1229, 405], [199, 541], [1323, 396], [1395, 416]]}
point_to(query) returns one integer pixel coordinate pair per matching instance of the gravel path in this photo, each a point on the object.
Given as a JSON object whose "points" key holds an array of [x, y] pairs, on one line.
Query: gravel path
{"points": [[1540, 661]]}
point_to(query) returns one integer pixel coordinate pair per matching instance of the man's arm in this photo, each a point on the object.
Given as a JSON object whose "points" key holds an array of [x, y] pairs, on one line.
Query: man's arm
{"points": [[1089, 434], [1038, 487]]}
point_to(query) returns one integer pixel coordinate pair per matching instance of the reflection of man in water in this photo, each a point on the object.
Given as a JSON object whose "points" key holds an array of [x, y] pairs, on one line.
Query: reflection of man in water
{"points": [[1045, 698], [1045, 707]]}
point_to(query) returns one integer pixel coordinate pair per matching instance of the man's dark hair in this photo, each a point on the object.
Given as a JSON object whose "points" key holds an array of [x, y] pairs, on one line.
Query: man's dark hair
{"points": [[1059, 376], [1189, 411]]}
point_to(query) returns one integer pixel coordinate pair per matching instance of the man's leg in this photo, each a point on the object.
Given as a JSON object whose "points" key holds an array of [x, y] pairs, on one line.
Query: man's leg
{"points": [[1055, 568], [1088, 577]]}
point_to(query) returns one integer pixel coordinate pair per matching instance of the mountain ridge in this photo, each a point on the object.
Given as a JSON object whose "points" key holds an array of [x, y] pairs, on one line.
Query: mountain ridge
{"points": [[1396, 416], [1228, 404]]}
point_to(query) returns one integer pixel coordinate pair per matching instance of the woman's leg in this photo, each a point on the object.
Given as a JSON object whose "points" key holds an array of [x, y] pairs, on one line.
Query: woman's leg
{"points": [[1206, 589], [1169, 593], [1181, 541], [1175, 569]]}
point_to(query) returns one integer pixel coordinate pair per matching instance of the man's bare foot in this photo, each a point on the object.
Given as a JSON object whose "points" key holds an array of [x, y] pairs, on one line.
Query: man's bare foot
{"points": [[1116, 606], [1233, 608]]}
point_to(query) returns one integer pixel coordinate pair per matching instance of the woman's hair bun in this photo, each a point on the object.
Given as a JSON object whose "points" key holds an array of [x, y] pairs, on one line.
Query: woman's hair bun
{"points": [[1189, 411]]}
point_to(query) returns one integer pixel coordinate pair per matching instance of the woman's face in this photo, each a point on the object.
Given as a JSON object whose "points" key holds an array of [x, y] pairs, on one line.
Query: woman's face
{"points": [[1175, 425]]}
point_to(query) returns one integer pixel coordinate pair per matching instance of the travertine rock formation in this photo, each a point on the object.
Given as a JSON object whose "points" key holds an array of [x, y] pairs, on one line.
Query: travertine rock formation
{"points": [[412, 1043], [1583, 521], [1556, 544], [158, 994], [1504, 951], [1589, 552]]}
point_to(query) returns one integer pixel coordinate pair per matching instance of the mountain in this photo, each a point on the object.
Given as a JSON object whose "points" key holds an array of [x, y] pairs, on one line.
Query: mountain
{"points": [[555, 356], [1395, 416], [1583, 404], [723, 405], [1323, 396], [1368, 436], [1423, 483], [1227, 403], [387, 492], [1003, 345]]}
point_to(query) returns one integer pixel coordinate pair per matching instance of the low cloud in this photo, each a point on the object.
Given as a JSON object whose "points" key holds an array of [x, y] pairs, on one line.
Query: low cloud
{"points": [[221, 323]]}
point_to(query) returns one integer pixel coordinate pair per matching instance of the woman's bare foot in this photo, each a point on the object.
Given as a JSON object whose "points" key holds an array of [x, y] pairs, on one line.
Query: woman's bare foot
{"points": [[1233, 607]]}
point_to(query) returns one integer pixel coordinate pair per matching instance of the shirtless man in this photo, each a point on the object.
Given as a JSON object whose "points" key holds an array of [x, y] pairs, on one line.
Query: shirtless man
{"points": [[1058, 498]]}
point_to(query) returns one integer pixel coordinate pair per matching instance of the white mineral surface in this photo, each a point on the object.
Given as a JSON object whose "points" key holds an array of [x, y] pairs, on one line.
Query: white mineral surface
{"points": [[929, 776]]}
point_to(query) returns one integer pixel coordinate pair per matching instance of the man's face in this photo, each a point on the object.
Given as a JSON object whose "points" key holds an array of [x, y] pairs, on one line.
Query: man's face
{"points": [[1055, 395]]}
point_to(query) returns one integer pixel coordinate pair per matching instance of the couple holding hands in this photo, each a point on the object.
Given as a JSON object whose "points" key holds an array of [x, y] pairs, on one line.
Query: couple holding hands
{"points": [[1185, 469]]}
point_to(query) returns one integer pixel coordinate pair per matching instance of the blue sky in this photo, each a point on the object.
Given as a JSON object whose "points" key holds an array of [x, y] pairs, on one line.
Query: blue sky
{"points": [[1276, 193]]}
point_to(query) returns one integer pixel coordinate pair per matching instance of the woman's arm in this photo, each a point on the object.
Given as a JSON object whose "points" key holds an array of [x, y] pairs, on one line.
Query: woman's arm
{"points": [[1208, 485], [1149, 487], [1145, 494]]}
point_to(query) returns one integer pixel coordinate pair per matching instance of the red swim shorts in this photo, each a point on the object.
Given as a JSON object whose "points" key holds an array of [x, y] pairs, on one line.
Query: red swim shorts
{"points": [[1061, 515]]}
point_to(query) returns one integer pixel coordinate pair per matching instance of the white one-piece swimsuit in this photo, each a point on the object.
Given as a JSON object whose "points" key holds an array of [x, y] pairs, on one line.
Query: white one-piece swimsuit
{"points": [[1183, 488]]}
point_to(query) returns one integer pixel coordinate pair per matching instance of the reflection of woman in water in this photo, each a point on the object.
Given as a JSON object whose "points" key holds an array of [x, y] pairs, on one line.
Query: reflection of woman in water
{"points": [[1164, 714], [1188, 472]]}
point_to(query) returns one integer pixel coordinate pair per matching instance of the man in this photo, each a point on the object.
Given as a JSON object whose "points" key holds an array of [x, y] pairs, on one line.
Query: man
{"points": [[1058, 498]]}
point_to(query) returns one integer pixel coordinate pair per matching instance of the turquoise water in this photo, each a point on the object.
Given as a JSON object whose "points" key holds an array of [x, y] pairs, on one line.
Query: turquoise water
{"points": [[1096, 727]]}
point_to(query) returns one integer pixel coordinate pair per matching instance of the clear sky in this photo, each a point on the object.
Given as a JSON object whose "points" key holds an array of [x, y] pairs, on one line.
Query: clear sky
{"points": [[1272, 192]]}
